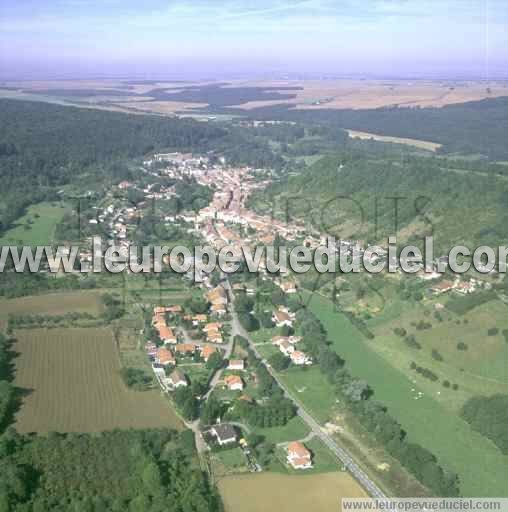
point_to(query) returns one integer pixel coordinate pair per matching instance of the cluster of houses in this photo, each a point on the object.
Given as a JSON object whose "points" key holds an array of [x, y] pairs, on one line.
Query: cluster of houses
{"points": [[159, 321], [213, 332], [225, 434], [458, 286], [235, 382], [218, 299], [286, 345], [287, 286], [176, 379], [165, 357], [283, 317], [217, 223]]}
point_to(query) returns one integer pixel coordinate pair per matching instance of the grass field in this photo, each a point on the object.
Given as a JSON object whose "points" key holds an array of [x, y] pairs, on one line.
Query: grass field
{"points": [[82, 301], [294, 430], [481, 369], [60, 303], [311, 388], [482, 469], [323, 461], [229, 462], [287, 493], [44, 218], [72, 384]]}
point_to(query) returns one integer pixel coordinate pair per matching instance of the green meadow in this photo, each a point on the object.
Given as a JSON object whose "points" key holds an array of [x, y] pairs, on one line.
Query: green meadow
{"points": [[309, 386], [482, 469], [294, 430], [36, 227]]}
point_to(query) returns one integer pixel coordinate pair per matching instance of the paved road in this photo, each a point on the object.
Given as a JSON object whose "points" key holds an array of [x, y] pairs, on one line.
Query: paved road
{"points": [[341, 454], [228, 349]]}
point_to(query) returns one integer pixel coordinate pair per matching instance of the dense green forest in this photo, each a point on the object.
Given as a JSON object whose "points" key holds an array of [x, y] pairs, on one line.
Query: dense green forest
{"points": [[471, 128], [138, 471], [477, 127], [360, 197], [44, 147]]}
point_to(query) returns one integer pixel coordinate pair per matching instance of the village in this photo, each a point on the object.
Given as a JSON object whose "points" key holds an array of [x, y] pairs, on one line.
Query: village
{"points": [[193, 353]]}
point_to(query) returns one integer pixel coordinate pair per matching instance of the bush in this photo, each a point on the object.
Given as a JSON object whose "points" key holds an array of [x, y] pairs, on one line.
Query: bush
{"points": [[436, 355], [136, 378], [493, 331], [422, 325], [462, 346], [410, 341], [279, 361], [424, 372], [249, 322]]}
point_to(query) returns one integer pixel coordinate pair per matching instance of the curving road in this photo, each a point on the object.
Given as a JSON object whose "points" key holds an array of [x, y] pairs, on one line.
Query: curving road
{"points": [[346, 459]]}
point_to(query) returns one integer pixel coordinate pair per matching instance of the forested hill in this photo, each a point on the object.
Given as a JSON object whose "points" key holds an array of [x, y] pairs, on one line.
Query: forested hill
{"points": [[45, 146], [477, 127], [57, 135], [435, 195]]}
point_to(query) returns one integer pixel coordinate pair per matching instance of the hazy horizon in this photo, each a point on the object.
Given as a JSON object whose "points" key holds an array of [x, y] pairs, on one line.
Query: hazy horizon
{"points": [[461, 39]]}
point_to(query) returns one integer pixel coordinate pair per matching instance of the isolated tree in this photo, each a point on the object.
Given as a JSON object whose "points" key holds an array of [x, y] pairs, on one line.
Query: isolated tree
{"points": [[214, 362]]}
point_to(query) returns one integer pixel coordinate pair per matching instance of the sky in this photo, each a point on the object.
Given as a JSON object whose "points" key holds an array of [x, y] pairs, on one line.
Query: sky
{"points": [[214, 38]]}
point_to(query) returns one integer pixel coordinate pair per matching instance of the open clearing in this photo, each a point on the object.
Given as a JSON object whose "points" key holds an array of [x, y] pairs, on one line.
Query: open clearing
{"points": [[421, 144], [481, 369], [37, 227], [481, 466], [59, 303], [284, 493], [72, 384], [161, 107], [82, 301]]}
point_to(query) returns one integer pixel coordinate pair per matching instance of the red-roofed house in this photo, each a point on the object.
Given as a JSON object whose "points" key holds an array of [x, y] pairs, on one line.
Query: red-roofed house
{"points": [[298, 456], [165, 357], [236, 364], [234, 383], [300, 358], [207, 352]]}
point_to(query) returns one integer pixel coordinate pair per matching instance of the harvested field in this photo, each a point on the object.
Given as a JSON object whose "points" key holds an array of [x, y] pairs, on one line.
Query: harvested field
{"points": [[72, 384], [160, 107], [366, 94], [271, 491], [421, 144], [314, 94], [37, 226]]}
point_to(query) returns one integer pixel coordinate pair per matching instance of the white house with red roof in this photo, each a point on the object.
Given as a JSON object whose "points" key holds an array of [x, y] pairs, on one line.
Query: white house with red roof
{"points": [[298, 456]]}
